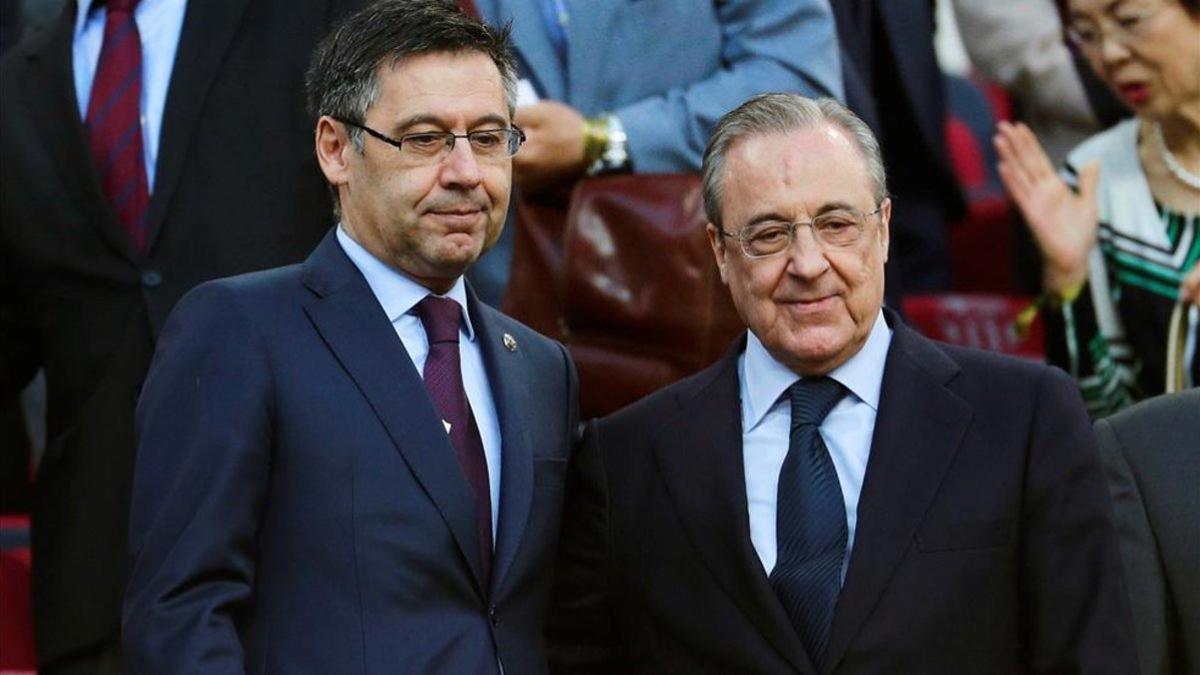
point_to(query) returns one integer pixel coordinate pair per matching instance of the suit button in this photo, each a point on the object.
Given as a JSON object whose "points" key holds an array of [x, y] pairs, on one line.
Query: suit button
{"points": [[491, 612], [151, 279]]}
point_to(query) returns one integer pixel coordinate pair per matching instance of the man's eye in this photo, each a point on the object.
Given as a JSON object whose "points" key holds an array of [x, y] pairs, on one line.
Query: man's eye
{"points": [[486, 139], [769, 235], [424, 142], [838, 224], [1129, 21]]}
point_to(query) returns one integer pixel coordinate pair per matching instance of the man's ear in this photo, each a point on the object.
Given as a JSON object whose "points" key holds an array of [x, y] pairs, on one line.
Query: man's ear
{"points": [[333, 150], [885, 219], [717, 242]]}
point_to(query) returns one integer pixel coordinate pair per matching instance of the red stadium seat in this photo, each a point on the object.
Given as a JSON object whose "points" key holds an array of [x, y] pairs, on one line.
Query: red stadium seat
{"points": [[16, 618]]}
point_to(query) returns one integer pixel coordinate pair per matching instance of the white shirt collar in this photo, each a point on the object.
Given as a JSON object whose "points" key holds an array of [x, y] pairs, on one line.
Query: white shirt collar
{"points": [[397, 293], [767, 379], [83, 8]]}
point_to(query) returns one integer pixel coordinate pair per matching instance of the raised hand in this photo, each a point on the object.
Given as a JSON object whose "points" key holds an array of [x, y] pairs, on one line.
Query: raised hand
{"points": [[1063, 223], [553, 153]]}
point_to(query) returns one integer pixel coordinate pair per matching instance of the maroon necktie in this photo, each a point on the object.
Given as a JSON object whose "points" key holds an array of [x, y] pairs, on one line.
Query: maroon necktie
{"points": [[443, 379], [114, 120]]}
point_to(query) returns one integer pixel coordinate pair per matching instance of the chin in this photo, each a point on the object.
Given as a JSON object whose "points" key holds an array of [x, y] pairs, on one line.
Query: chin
{"points": [[815, 351]]}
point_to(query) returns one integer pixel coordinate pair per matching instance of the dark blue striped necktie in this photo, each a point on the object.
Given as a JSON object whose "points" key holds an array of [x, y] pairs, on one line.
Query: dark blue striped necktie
{"points": [[810, 519]]}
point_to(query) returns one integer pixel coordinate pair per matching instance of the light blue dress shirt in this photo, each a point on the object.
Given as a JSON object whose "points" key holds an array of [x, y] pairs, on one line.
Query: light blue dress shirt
{"points": [[766, 430], [399, 295], [160, 23]]}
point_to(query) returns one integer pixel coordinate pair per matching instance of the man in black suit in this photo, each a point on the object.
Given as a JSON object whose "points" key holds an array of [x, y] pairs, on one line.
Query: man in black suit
{"points": [[231, 186], [838, 494], [1152, 461]]}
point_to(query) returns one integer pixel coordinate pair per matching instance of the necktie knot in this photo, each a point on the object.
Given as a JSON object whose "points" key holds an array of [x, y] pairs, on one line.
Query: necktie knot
{"points": [[813, 398], [121, 5], [441, 318]]}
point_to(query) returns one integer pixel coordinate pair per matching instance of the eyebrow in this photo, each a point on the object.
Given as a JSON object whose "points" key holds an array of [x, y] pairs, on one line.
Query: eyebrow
{"points": [[772, 217], [1107, 9], [440, 122]]}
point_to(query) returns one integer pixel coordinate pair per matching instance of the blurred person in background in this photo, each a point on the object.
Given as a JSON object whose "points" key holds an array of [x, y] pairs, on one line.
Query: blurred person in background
{"points": [[1119, 229], [120, 124], [618, 87], [1018, 45], [894, 83]]}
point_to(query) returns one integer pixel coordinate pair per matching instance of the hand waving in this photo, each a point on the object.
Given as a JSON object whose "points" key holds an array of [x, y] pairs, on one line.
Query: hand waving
{"points": [[1063, 223]]}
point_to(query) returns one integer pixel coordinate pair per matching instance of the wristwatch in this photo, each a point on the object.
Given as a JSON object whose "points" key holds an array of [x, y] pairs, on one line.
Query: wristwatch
{"points": [[605, 145]]}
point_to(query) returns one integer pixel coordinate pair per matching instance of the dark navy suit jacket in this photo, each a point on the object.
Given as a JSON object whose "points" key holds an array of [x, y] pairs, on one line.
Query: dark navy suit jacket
{"points": [[985, 540], [298, 507]]}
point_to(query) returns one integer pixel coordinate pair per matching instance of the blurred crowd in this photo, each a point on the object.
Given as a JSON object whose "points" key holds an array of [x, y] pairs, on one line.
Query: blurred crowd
{"points": [[1044, 155]]}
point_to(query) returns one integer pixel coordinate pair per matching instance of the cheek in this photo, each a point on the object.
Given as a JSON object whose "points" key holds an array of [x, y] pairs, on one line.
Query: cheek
{"points": [[497, 183], [864, 280], [754, 287]]}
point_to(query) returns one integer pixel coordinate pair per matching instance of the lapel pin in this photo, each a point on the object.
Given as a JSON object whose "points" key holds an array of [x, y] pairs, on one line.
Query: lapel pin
{"points": [[447, 425], [510, 342]]}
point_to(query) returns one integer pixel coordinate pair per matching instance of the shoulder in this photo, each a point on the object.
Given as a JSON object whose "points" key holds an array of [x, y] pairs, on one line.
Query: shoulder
{"points": [[1114, 147], [995, 384], [238, 298], [657, 409], [1166, 421]]}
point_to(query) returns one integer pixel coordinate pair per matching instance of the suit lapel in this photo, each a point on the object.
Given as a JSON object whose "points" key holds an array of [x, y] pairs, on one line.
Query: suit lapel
{"points": [[533, 45], [705, 476], [48, 84], [208, 29], [350, 320], [508, 375], [917, 433]]}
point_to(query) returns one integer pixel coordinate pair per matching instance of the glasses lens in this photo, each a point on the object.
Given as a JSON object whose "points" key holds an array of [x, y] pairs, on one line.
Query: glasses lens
{"points": [[839, 228], [490, 142], [425, 145], [766, 239]]}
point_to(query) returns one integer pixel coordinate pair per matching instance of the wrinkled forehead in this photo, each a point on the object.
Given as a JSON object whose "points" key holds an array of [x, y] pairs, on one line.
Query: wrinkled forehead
{"points": [[797, 172], [449, 84]]}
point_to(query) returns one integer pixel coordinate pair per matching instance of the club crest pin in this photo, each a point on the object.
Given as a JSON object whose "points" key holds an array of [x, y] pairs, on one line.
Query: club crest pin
{"points": [[510, 342]]}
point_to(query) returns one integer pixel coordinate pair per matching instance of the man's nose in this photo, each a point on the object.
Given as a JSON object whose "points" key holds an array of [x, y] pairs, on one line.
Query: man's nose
{"points": [[460, 167], [806, 257]]}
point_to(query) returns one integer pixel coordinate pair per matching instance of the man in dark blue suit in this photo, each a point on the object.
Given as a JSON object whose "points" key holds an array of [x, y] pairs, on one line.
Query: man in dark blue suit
{"points": [[838, 494], [353, 465]]}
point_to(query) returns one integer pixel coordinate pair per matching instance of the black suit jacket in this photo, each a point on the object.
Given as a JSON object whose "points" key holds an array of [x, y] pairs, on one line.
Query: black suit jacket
{"points": [[1151, 456], [237, 189], [984, 544]]}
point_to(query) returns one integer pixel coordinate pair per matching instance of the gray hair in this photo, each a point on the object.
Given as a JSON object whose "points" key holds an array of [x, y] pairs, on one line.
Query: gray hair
{"points": [[342, 81], [782, 113]]}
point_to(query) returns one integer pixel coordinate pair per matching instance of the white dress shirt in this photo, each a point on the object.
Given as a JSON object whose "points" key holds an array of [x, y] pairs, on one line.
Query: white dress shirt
{"points": [[766, 431], [399, 295], [159, 23]]}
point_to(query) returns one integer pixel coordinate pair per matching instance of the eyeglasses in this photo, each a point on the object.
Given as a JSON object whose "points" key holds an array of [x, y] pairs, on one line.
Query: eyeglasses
{"points": [[434, 146], [1126, 26], [835, 229]]}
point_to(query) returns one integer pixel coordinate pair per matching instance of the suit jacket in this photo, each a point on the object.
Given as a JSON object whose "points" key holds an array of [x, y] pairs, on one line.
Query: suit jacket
{"points": [[671, 68], [1152, 460], [297, 504], [237, 189], [984, 543]]}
